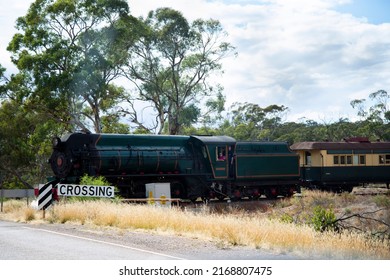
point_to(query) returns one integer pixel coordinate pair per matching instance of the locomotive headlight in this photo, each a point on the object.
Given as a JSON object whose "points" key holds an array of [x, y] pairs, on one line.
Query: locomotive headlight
{"points": [[56, 141]]}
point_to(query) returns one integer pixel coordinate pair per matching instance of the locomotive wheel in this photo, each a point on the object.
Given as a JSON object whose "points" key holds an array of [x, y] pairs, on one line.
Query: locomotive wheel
{"points": [[271, 193], [177, 190]]}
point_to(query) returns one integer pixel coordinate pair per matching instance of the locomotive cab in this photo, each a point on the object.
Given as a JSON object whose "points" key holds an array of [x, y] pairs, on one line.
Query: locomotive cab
{"points": [[218, 153]]}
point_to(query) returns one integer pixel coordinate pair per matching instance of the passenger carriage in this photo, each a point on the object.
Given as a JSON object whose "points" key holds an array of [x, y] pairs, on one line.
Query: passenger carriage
{"points": [[339, 166]]}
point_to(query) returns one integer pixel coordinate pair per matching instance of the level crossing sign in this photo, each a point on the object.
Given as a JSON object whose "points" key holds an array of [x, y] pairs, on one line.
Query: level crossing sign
{"points": [[85, 190], [46, 191], [45, 195]]}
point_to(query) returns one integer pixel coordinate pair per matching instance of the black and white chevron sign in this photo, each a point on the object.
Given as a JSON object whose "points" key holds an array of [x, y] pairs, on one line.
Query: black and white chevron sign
{"points": [[45, 196]]}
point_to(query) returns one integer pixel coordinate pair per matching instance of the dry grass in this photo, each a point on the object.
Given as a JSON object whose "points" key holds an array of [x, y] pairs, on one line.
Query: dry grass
{"points": [[366, 224], [254, 229]]}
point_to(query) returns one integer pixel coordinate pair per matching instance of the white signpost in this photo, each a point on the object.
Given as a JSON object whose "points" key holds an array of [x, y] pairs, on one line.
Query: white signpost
{"points": [[85, 190]]}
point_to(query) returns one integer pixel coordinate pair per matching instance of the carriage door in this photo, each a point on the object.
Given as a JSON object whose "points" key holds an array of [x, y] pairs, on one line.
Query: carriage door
{"points": [[221, 161]]}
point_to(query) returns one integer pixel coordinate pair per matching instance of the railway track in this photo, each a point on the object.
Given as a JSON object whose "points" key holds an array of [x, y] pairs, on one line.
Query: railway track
{"points": [[370, 191], [261, 204]]}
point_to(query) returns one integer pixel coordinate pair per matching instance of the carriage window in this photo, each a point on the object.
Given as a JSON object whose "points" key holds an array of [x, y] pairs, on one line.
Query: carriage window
{"points": [[384, 159], [337, 160], [221, 153], [355, 160], [307, 158]]}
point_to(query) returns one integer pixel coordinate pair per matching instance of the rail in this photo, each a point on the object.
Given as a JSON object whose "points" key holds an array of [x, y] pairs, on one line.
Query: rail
{"points": [[152, 200]]}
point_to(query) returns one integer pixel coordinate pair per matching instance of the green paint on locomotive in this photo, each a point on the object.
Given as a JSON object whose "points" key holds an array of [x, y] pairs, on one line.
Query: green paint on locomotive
{"points": [[142, 154], [266, 160]]}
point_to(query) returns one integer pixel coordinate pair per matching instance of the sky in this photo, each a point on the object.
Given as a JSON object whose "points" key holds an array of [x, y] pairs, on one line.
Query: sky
{"points": [[312, 56]]}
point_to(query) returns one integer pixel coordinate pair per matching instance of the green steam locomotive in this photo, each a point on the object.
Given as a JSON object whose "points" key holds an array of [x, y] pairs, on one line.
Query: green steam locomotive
{"points": [[195, 166]]}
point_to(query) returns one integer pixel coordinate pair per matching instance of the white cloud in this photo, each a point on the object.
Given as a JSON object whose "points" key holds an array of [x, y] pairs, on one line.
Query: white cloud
{"points": [[312, 58]]}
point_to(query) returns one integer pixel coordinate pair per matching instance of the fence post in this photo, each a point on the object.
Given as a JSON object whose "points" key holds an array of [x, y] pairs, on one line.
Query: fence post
{"points": [[1, 191], [27, 196]]}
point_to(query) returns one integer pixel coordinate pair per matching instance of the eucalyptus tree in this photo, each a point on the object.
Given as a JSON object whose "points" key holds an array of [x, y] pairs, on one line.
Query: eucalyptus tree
{"points": [[171, 65], [25, 133], [374, 114], [66, 47], [25, 144], [252, 122], [379, 109]]}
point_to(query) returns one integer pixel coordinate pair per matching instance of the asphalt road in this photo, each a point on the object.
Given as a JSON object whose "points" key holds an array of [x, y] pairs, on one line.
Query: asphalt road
{"points": [[24, 242], [53, 251], [19, 241]]}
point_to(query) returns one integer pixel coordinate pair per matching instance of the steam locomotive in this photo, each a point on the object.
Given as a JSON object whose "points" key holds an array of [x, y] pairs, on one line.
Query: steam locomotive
{"points": [[195, 166], [219, 166]]}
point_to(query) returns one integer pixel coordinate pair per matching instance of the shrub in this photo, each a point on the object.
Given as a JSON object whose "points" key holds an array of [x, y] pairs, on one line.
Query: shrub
{"points": [[286, 218], [90, 180], [96, 181], [324, 220]]}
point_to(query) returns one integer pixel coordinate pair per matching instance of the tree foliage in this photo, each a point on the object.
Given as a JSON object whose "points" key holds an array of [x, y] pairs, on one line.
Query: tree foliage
{"points": [[251, 122], [374, 114], [379, 109], [65, 46], [170, 65], [24, 144]]}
